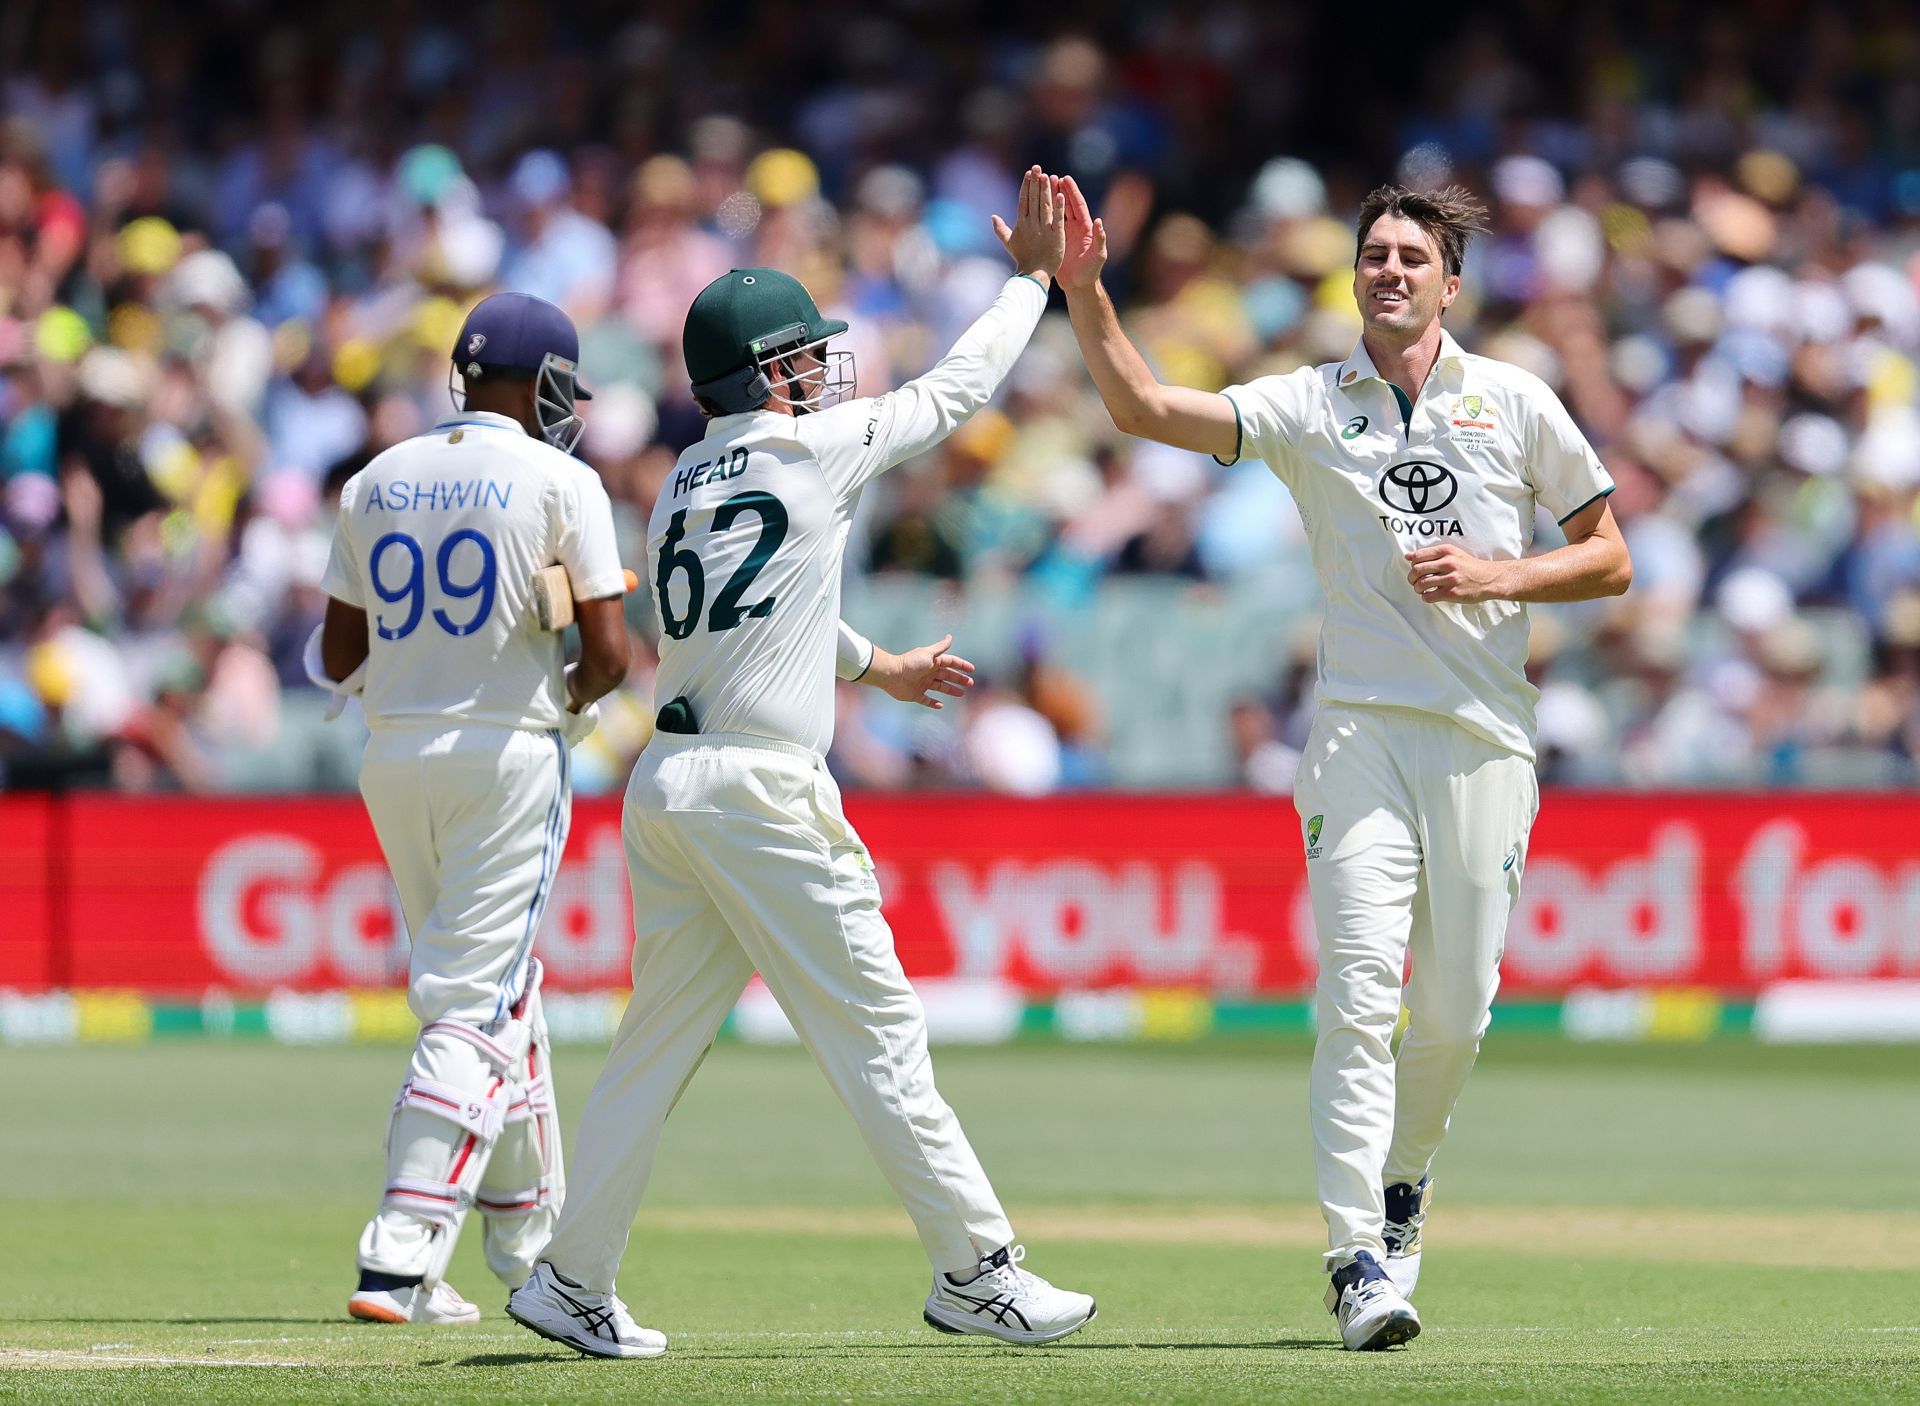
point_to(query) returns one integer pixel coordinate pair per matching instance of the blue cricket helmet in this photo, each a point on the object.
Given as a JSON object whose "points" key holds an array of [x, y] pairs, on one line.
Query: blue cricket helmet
{"points": [[516, 336]]}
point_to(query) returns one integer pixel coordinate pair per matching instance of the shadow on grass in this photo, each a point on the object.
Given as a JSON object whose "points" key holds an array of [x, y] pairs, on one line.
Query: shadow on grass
{"points": [[1276, 1345], [564, 1355], [1010, 1350]]}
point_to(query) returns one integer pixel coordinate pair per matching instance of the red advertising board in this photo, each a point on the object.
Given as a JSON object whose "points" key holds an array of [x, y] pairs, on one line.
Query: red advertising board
{"points": [[1724, 892], [28, 871]]}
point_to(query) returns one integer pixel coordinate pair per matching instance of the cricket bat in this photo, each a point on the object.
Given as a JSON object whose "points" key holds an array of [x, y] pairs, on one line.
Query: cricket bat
{"points": [[553, 596]]}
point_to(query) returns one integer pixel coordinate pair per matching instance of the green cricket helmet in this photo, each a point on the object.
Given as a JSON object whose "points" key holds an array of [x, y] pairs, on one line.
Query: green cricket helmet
{"points": [[740, 335]]}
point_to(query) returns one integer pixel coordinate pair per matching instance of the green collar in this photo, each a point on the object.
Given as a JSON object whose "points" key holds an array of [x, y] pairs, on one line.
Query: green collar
{"points": [[1406, 408]]}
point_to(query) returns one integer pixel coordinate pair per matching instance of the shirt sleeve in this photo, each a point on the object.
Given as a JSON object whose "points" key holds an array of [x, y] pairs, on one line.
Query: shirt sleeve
{"points": [[1566, 474], [341, 580], [853, 654], [862, 438], [1267, 420], [584, 538]]}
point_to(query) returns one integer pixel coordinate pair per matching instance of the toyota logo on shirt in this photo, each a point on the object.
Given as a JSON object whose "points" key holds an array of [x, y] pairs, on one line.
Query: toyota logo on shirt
{"points": [[1418, 486]]}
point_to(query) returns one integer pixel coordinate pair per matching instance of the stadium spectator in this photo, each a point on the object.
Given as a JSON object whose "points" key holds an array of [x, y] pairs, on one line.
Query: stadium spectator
{"points": [[234, 250]]}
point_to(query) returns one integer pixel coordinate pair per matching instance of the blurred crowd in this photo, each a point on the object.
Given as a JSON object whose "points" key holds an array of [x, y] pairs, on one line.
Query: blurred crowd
{"points": [[236, 245]]}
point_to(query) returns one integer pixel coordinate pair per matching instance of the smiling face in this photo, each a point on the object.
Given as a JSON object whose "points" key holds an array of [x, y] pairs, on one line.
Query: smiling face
{"points": [[1399, 280]]}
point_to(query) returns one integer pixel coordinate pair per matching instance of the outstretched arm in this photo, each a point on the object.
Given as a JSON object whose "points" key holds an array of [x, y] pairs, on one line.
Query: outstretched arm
{"points": [[912, 677], [865, 437], [1135, 398]]}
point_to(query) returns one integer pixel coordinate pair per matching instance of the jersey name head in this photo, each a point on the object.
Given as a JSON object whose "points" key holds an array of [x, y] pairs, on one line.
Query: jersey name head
{"points": [[728, 465]]}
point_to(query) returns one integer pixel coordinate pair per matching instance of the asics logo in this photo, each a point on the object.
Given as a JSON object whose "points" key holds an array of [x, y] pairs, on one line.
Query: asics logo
{"points": [[1001, 1308], [1418, 486], [598, 1321]]}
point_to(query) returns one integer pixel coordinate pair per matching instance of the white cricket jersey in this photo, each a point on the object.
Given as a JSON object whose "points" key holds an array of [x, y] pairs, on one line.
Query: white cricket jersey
{"points": [[1484, 444], [745, 544], [438, 541]]}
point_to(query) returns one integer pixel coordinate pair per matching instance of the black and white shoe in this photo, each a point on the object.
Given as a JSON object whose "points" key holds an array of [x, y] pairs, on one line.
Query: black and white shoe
{"points": [[598, 1324], [1406, 1213], [1007, 1302], [1372, 1313]]}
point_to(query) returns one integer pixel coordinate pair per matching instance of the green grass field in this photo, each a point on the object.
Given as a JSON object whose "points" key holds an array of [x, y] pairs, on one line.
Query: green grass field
{"points": [[1715, 1223]]}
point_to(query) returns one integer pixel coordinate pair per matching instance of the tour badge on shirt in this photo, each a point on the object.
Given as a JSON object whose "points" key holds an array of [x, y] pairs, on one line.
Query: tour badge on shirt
{"points": [[1471, 424], [1314, 822], [1416, 492]]}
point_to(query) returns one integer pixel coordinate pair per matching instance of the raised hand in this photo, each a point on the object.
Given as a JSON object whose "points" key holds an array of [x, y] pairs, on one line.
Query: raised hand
{"points": [[1037, 240], [1086, 245]]}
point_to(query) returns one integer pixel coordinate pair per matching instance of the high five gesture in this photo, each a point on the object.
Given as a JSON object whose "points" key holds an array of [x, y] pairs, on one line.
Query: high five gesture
{"points": [[1086, 252], [1038, 239]]}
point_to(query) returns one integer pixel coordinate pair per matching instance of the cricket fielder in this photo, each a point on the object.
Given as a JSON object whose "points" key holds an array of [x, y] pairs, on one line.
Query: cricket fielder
{"points": [[740, 855], [1418, 469], [443, 540]]}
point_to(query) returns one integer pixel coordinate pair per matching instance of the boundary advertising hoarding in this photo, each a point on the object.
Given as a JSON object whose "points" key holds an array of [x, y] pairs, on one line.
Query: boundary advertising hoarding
{"points": [[1727, 893]]}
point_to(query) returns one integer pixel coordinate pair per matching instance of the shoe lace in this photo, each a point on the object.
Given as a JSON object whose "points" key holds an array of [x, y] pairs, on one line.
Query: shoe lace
{"points": [[1017, 1279], [1367, 1290], [622, 1320], [1398, 1234]]}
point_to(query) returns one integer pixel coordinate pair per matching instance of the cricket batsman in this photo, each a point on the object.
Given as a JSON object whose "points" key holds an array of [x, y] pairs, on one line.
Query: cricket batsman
{"points": [[740, 855], [435, 620], [465, 776], [1418, 469]]}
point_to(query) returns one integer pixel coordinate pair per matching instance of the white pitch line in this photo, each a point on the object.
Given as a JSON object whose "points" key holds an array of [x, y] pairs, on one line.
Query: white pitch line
{"points": [[358, 1338], [255, 1342], [97, 1358], [1583, 1330]]}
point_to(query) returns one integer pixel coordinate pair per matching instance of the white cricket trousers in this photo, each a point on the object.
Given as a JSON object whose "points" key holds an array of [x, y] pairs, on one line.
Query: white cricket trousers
{"points": [[1416, 834], [472, 820], [742, 860]]}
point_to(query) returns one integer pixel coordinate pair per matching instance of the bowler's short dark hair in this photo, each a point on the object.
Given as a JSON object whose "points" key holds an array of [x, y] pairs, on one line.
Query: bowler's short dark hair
{"points": [[1452, 216]]}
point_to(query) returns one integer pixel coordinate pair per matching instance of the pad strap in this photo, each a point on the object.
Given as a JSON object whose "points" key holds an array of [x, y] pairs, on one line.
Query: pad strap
{"points": [[500, 1052], [442, 1202], [531, 1100], [482, 1115], [499, 1204]]}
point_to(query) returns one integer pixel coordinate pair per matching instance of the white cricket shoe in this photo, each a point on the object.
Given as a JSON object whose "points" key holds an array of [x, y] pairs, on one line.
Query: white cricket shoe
{"points": [[1372, 1313], [1007, 1302], [407, 1304], [1406, 1213], [594, 1323]]}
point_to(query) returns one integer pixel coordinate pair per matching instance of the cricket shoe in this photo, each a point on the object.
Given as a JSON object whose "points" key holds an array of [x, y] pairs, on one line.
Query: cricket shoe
{"points": [[555, 1307], [1007, 1302], [408, 1303], [1406, 1213], [1372, 1313]]}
